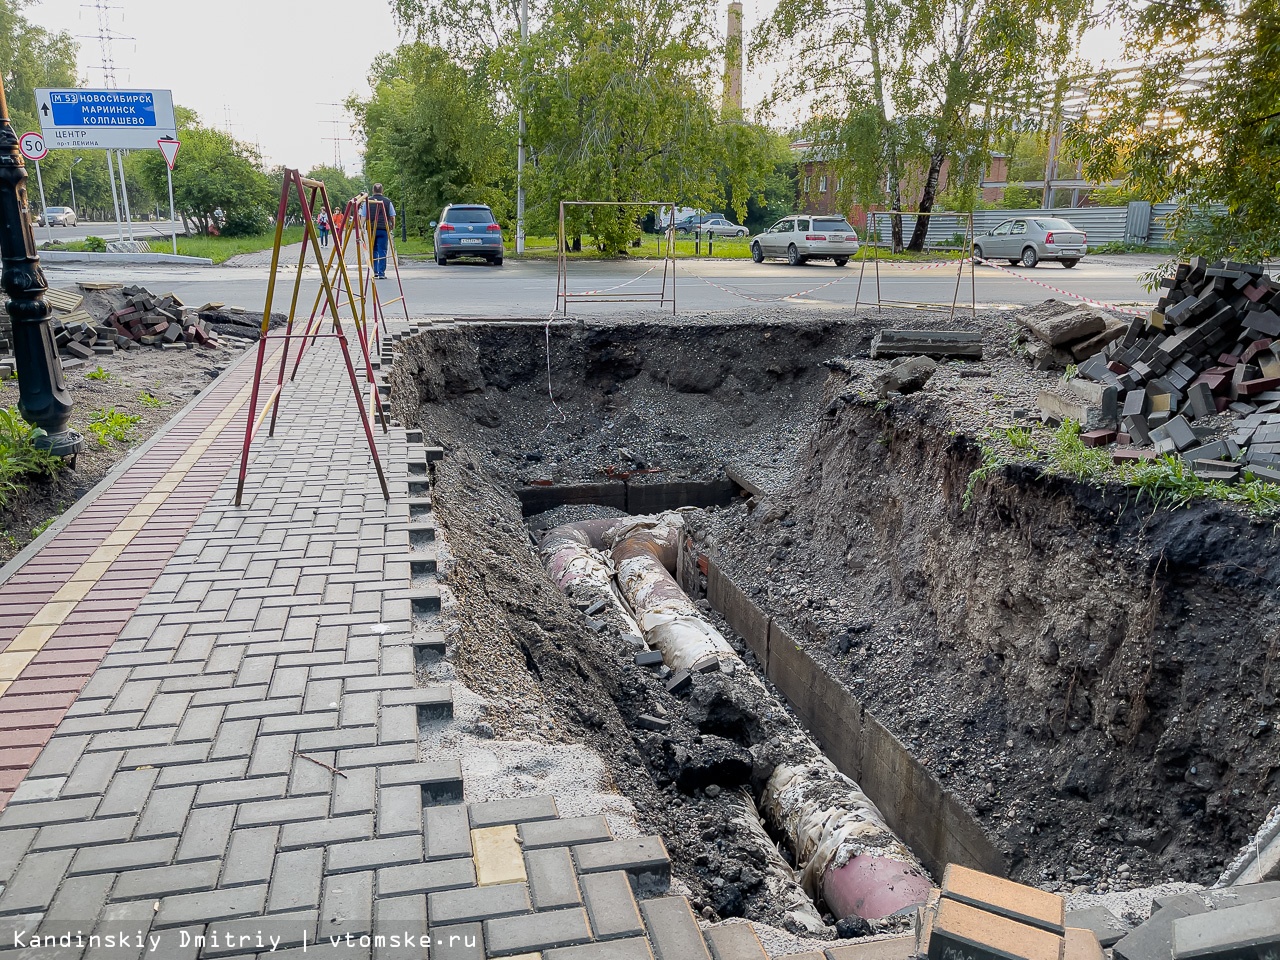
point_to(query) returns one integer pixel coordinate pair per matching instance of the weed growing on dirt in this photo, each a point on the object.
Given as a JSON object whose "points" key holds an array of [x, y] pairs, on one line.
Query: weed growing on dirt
{"points": [[1021, 439], [1069, 455], [991, 462], [98, 374], [148, 399], [41, 527], [20, 459], [112, 425]]}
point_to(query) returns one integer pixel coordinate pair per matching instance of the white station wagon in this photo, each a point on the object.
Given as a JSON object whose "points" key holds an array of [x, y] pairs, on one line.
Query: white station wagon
{"points": [[801, 238]]}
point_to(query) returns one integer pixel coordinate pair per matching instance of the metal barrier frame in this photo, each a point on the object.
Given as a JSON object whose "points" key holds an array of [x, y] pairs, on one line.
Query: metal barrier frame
{"points": [[872, 219], [563, 296]]}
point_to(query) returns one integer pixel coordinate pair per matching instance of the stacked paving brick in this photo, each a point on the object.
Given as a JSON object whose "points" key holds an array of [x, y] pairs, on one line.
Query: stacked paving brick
{"points": [[156, 321], [1211, 345]]}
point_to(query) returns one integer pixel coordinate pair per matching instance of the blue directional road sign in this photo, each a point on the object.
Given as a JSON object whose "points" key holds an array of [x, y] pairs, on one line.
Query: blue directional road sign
{"points": [[105, 119]]}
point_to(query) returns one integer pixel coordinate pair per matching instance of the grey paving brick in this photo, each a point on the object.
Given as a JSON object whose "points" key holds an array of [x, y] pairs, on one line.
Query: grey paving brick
{"points": [[337, 739], [272, 755], [238, 791], [463, 941], [35, 882], [636, 948], [91, 833], [250, 856], [105, 683], [263, 708], [13, 847], [288, 682], [359, 709], [167, 756], [320, 832], [448, 832], [400, 811], [113, 858], [44, 812], [380, 682], [199, 724], [276, 932], [346, 905], [235, 739], [311, 773], [354, 793], [228, 696], [289, 810], [611, 905], [129, 739], [167, 710], [403, 917], [398, 725], [738, 941], [372, 854], [519, 810], [643, 858], [378, 756], [295, 881], [76, 907], [426, 877], [552, 881], [321, 695], [135, 695], [167, 881], [506, 936], [210, 906], [135, 916], [563, 833], [439, 696], [300, 723], [166, 812], [673, 931], [207, 833], [197, 773], [99, 724], [32, 789], [58, 757], [478, 903], [127, 793]]}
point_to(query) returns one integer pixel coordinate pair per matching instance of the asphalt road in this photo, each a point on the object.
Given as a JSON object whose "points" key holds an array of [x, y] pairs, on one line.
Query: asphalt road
{"points": [[528, 289], [142, 230]]}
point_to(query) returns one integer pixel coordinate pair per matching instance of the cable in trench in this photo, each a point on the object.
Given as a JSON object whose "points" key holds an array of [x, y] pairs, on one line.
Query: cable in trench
{"points": [[847, 856]]}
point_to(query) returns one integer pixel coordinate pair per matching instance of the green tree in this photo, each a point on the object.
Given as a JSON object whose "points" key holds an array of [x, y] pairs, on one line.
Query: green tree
{"points": [[901, 87], [214, 172], [31, 57], [1199, 125]]}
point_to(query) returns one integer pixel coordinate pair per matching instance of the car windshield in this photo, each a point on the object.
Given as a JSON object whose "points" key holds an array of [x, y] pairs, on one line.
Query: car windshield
{"points": [[1054, 225], [58, 209], [469, 215], [834, 225]]}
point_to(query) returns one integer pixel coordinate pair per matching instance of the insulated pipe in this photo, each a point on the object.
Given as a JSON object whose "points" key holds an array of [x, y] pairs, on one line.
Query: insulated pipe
{"points": [[850, 858], [576, 566]]}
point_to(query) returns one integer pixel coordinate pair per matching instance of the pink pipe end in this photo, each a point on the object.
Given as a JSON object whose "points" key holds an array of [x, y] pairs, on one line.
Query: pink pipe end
{"points": [[873, 887]]}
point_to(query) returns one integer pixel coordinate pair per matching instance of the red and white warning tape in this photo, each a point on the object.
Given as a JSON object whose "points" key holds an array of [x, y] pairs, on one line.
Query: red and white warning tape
{"points": [[592, 293], [790, 296], [1066, 293]]}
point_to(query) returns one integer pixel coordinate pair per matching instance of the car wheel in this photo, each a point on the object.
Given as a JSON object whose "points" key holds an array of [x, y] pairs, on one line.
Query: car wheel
{"points": [[841, 261], [442, 261], [741, 233], [497, 261], [977, 253], [793, 256], [756, 253], [1068, 264], [1029, 257]]}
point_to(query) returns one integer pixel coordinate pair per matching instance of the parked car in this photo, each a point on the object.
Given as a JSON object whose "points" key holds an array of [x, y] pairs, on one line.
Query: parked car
{"points": [[692, 223], [468, 230], [1028, 240], [58, 217], [802, 237], [720, 227]]}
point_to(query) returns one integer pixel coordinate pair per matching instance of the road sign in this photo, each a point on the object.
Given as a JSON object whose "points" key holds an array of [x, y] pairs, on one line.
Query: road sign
{"points": [[32, 146], [169, 148], [105, 119]]}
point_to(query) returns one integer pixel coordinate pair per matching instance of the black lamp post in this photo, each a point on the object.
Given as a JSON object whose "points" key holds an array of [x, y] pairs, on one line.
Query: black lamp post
{"points": [[43, 398]]}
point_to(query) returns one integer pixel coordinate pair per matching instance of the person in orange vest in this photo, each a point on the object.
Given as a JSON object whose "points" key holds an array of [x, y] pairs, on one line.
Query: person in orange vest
{"points": [[338, 219]]}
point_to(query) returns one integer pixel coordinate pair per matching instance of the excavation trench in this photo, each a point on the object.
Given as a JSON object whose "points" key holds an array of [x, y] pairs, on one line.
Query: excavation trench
{"points": [[1057, 680]]}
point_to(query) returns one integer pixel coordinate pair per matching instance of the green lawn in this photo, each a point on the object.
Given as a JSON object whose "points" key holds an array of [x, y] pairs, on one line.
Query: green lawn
{"points": [[221, 249]]}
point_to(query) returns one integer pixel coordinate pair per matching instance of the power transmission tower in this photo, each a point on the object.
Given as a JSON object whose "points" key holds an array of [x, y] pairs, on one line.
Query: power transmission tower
{"points": [[337, 140], [105, 37]]}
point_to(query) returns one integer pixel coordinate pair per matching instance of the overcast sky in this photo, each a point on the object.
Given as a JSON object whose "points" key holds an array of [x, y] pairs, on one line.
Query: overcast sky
{"points": [[270, 70]]}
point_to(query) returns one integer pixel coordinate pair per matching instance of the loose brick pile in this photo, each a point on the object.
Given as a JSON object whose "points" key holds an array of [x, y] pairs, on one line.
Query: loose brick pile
{"points": [[1210, 345], [154, 321]]}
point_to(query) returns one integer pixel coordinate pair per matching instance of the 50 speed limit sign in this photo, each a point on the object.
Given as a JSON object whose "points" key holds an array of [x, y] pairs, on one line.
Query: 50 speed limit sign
{"points": [[33, 146]]}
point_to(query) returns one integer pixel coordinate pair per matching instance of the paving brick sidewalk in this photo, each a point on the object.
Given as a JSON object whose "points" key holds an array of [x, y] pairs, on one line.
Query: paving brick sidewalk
{"points": [[242, 775]]}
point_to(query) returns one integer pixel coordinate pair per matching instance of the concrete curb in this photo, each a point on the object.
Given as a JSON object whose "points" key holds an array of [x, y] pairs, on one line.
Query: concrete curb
{"points": [[114, 474], [84, 256]]}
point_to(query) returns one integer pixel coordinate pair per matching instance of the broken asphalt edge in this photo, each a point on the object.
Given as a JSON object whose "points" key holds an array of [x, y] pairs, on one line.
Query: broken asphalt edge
{"points": [[83, 256]]}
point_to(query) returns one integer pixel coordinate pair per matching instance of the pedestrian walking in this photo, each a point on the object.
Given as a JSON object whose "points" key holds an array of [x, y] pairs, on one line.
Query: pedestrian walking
{"points": [[322, 223], [339, 219], [381, 216]]}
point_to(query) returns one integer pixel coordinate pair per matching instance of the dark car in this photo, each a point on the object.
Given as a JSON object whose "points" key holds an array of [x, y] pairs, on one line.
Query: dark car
{"points": [[468, 230], [694, 222]]}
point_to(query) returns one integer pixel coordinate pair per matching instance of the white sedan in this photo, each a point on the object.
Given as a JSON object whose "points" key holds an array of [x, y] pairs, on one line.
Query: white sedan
{"points": [[720, 227], [802, 238]]}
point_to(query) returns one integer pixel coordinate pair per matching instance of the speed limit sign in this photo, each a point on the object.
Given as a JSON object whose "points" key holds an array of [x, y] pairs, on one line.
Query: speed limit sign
{"points": [[32, 146]]}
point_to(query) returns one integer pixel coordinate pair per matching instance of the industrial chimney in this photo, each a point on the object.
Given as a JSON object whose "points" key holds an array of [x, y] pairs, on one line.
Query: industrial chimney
{"points": [[733, 62]]}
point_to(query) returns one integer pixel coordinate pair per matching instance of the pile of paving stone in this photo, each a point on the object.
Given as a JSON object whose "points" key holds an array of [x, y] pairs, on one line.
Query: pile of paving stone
{"points": [[1158, 385], [148, 320]]}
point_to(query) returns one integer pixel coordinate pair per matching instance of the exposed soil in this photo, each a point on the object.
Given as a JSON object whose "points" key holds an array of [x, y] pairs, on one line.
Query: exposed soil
{"points": [[1095, 678]]}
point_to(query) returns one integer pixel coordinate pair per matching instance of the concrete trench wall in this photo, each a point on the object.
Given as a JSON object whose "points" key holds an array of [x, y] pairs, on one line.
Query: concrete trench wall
{"points": [[932, 822]]}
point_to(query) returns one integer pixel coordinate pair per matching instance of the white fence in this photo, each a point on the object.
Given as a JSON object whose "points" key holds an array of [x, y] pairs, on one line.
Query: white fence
{"points": [[1136, 223]]}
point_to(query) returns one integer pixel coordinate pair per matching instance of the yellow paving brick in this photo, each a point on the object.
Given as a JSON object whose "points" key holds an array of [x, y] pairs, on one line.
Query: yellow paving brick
{"points": [[52, 613], [92, 572], [119, 538], [107, 554], [498, 856], [4, 685], [32, 638], [73, 590], [12, 664], [134, 521]]}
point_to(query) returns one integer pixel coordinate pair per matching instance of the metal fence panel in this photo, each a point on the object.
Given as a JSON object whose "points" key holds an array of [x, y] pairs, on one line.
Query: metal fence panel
{"points": [[1100, 224]]}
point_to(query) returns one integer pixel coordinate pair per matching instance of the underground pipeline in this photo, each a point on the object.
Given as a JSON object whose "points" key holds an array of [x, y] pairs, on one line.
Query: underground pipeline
{"points": [[848, 857]]}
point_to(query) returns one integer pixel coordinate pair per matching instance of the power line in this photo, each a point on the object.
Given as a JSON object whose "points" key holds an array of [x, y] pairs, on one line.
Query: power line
{"points": [[105, 36], [337, 140]]}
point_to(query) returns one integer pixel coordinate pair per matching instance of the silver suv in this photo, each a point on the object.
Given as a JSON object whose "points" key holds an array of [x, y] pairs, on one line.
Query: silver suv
{"points": [[468, 230], [804, 237]]}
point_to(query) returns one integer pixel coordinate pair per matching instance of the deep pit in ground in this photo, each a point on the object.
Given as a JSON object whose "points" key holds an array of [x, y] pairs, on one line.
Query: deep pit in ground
{"points": [[1095, 676]]}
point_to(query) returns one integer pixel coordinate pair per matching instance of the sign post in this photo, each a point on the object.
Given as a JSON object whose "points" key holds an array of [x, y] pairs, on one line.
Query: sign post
{"points": [[33, 148], [169, 148]]}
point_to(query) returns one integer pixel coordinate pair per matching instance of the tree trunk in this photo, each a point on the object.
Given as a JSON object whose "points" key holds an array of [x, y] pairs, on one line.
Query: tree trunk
{"points": [[926, 202], [576, 246]]}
